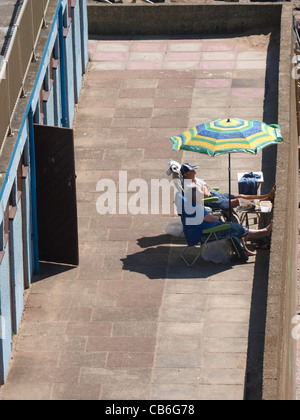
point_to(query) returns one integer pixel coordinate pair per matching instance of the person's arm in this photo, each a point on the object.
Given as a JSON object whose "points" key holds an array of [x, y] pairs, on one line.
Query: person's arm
{"points": [[206, 191], [203, 187], [198, 194]]}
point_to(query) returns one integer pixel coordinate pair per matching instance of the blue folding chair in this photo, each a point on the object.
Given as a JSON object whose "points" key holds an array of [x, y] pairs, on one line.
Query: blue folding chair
{"points": [[196, 236]]}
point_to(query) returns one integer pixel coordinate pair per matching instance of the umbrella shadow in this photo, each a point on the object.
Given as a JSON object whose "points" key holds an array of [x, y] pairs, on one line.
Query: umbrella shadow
{"points": [[160, 258]]}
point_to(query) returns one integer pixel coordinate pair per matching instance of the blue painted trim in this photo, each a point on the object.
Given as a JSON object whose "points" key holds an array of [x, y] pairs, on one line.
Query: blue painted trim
{"points": [[33, 196], [28, 108]]}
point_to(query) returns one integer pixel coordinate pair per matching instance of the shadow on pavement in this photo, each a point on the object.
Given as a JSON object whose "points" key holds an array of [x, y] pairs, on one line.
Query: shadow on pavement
{"points": [[51, 269], [256, 337], [164, 260]]}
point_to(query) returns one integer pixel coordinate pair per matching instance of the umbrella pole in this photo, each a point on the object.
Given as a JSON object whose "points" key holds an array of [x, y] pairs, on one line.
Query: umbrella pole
{"points": [[229, 174]]}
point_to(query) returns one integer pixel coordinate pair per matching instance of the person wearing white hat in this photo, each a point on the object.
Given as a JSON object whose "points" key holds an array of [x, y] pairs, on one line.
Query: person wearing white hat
{"points": [[188, 172]]}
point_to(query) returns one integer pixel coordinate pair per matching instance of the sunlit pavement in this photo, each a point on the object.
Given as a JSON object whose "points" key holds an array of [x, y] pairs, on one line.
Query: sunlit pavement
{"points": [[132, 321]]}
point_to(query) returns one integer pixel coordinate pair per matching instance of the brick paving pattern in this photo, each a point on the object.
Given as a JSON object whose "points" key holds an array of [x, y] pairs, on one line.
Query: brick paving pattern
{"points": [[132, 321]]}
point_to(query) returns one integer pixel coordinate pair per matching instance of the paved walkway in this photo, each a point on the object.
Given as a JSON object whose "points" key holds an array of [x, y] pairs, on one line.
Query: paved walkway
{"points": [[132, 322]]}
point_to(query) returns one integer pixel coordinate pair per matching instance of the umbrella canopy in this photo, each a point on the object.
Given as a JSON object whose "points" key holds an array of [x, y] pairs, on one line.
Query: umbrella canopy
{"points": [[228, 136]]}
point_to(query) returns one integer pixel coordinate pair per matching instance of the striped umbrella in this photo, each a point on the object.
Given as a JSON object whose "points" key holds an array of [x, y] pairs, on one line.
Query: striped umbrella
{"points": [[228, 136]]}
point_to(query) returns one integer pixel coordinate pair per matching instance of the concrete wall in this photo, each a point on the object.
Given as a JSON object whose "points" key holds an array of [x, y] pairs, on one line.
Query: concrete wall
{"points": [[280, 348], [17, 265], [180, 19]]}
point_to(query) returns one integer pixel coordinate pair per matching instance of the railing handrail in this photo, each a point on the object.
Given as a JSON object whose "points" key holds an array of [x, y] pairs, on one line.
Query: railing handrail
{"points": [[11, 41], [12, 81]]}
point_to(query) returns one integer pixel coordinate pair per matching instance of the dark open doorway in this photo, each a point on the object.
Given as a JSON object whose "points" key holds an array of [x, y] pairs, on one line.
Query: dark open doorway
{"points": [[56, 195]]}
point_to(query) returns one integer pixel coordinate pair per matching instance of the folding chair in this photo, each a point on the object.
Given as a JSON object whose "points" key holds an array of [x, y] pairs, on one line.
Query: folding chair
{"points": [[210, 235], [203, 237], [207, 235]]}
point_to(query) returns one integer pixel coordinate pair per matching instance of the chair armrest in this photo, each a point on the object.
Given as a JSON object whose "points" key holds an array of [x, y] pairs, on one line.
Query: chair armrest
{"points": [[216, 229], [215, 188], [210, 199]]}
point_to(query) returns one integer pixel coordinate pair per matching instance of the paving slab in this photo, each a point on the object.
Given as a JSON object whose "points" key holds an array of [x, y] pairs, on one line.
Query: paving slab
{"points": [[132, 321]]}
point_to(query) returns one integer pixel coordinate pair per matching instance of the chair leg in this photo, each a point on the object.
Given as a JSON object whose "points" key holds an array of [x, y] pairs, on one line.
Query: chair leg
{"points": [[242, 254], [234, 246], [185, 260]]}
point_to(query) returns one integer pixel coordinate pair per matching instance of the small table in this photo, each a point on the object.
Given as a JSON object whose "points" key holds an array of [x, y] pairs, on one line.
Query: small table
{"points": [[245, 212]]}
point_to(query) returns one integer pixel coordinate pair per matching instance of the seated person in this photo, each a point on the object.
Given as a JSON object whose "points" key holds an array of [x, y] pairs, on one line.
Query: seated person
{"points": [[193, 230], [236, 230], [189, 173]]}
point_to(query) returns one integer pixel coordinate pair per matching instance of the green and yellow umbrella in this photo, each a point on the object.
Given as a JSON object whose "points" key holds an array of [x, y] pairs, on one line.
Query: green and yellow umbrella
{"points": [[228, 136]]}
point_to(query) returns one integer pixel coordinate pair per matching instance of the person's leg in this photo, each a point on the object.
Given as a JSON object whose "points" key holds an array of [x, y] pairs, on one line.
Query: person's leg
{"points": [[223, 202], [235, 203], [260, 233], [269, 196], [250, 253], [243, 233]]}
